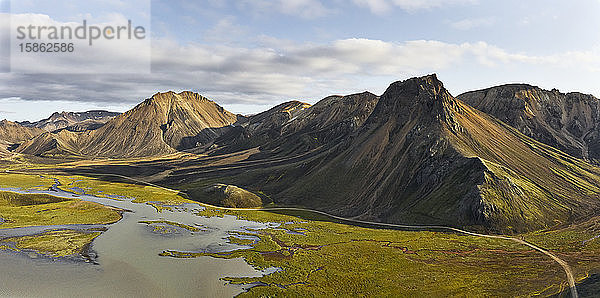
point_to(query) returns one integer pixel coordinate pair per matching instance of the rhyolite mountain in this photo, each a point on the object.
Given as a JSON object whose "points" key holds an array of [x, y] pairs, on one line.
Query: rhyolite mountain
{"points": [[12, 133], [73, 121], [295, 127], [569, 122], [256, 130], [163, 124], [423, 156]]}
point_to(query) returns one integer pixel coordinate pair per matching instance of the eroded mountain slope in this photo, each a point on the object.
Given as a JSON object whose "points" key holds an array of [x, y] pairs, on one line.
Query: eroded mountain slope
{"points": [[569, 122], [163, 124], [424, 156]]}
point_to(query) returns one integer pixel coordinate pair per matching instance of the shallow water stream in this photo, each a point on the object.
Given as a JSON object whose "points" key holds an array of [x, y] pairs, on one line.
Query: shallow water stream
{"points": [[128, 260]]}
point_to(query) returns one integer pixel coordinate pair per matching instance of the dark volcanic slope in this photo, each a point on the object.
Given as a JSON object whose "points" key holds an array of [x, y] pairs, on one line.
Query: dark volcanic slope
{"points": [[160, 125], [569, 122], [352, 110], [272, 120], [338, 115], [296, 127], [256, 130], [424, 156], [325, 124]]}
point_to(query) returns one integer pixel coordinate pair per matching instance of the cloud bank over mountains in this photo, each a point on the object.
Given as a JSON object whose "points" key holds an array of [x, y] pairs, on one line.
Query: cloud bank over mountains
{"points": [[267, 70]]}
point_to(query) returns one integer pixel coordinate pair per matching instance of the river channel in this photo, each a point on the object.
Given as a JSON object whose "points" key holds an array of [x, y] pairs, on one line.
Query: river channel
{"points": [[128, 261]]}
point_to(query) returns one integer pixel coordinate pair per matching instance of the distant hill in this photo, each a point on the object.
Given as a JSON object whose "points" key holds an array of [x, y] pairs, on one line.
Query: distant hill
{"points": [[569, 122], [163, 124], [256, 130], [73, 121], [296, 127], [12, 133]]}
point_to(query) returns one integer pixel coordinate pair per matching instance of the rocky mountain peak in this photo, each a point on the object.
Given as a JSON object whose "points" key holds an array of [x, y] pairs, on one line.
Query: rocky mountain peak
{"points": [[74, 121], [171, 96], [423, 97], [429, 86]]}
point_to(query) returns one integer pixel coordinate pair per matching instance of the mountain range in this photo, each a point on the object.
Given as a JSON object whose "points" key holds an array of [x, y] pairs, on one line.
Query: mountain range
{"points": [[511, 158], [569, 122], [163, 124], [73, 121], [12, 133]]}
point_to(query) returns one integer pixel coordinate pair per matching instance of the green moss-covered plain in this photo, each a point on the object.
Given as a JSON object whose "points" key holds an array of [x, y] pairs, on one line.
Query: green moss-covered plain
{"points": [[140, 193], [55, 243], [318, 256], [37, 182], [577, 244], [24, 210], [324, 257]]}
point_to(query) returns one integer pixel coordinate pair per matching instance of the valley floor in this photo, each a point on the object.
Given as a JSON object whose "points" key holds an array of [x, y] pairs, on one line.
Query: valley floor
{"points": [[317, 255]]}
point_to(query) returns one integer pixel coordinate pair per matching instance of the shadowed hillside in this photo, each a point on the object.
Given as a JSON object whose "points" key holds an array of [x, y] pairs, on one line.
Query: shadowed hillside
{"points": [[296, 128], [424, 156]]}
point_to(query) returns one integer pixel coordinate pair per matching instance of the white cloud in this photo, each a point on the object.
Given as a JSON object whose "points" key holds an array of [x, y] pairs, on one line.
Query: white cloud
{"points": [[376, 6], [280, 70], [468, 24], [226, 31], [384, 6], [307, 9]]}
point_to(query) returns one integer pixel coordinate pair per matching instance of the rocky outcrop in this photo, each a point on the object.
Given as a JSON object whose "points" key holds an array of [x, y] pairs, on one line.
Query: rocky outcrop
{"points": [[569, 122], [232, 196]]}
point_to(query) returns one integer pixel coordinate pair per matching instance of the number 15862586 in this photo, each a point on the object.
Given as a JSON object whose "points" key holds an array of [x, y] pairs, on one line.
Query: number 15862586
{"points": [[46, 47]]}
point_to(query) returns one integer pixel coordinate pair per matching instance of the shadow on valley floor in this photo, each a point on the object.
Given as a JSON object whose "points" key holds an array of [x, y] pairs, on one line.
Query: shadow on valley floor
{"points": [[104, 173], [589, 287], [125, 170]]}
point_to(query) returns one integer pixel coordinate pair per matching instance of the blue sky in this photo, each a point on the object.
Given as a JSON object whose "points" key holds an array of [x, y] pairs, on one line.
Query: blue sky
{"points": [[250, 55], [539, 26]]}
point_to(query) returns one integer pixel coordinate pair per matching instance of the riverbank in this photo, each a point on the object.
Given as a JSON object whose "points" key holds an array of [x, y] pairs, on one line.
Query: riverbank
{"points": [[128, 251]]}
